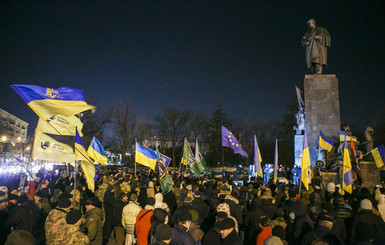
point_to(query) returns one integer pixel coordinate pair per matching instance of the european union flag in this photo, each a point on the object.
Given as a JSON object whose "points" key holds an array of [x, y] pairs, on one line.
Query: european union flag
{"points": [[229, 140], [48, 102]]}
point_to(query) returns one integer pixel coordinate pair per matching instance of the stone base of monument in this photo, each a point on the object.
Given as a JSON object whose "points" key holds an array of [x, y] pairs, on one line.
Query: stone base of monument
{"points": [[370, 174], [328, 177]]}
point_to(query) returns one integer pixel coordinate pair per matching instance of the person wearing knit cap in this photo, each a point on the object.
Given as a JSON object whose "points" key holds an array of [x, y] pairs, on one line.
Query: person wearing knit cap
{"points": [[228, 234], [323, 230], [180, 233], [73, 233], [163, 234], [266, 231], [160, 216], [55, 220], [93, 221], [366, 215]]}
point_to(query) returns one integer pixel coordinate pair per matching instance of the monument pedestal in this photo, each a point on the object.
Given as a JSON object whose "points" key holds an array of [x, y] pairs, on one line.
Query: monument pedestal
{"points": [[322, 110], [370, 173]]}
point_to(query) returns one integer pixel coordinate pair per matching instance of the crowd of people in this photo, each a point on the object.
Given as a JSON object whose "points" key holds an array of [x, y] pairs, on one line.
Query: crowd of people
{"points": [[130, 207]]}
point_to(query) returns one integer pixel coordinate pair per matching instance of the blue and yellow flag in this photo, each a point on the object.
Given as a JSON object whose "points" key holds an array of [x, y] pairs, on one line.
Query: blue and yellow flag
{"points": [[305, 163], [345, 136], [276, 161], [257, 159], [145, 156], [347, 170], [86, 163], [324, 142], [379, 155], [48, 102], [96, 151]]}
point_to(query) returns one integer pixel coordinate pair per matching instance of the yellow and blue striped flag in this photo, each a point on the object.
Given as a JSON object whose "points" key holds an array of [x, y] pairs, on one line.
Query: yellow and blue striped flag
{"points": [[257, 159], [145, 156], [276, 161], [86, 163], [96, 151], [305, 163], [324, 142], [347, 172], [379, 155], [48, 102], [346, 136]]}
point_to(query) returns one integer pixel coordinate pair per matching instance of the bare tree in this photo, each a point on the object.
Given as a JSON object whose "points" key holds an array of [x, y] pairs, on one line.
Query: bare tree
{"points": [[172, 125]]}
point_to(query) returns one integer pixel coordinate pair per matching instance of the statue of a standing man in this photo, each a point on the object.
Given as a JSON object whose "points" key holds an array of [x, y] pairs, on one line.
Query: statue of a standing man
{"points": [[316, 42]]}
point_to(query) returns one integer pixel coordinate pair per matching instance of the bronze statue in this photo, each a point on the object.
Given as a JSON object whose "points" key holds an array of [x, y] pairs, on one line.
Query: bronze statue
{"points": [[316, 41], [369, 142]]}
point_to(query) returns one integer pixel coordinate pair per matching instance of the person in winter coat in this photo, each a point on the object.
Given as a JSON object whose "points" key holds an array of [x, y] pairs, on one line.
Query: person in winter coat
{"points": [[159, 202], [129, 214], [120, 233], [180, 231], [144, 221], [160, 216], [162, 235], [94, 221], [228, 234], [213, 236], [366, 216], [108, 204], [381, 205], [73, 233], [315, 206], [55, 232], [266, 231]]}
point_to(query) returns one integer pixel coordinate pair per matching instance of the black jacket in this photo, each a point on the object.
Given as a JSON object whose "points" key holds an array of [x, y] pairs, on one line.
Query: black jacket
{"points": [[232, 239], [180, 236]]}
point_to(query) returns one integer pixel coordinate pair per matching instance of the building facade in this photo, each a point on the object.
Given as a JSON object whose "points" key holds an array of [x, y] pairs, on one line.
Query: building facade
{"points": [[12, 129]]}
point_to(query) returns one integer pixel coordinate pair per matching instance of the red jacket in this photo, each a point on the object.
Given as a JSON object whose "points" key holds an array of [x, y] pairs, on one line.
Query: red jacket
{"points": [[143, 225], [265, 233]]}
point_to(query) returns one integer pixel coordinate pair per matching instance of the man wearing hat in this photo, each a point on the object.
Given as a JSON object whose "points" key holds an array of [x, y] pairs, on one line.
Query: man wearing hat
{"points": [[180, 233], [74, 234], [93, 221], [163, 235], [228, 234], [55, 220], [213, 236]]}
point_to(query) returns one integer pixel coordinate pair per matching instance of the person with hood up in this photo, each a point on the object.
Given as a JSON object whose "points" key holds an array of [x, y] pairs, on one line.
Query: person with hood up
{"points": [[93, 221], [159, 202], [130, 212]]}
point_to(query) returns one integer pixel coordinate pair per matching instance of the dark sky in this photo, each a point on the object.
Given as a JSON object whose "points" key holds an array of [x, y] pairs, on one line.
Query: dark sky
{"points": [[191, 54]]}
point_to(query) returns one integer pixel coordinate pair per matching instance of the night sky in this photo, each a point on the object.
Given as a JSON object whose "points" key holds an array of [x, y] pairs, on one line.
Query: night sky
{"points": [[246, 55]]}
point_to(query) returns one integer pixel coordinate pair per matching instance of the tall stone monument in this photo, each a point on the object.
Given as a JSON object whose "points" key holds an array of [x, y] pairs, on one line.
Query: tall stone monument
{"points": [[322, 110], [322, 106]]}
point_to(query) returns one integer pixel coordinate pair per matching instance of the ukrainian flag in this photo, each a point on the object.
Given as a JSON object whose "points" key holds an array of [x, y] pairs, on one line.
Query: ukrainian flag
{"points": [[324, 142], [305, 163], [86, 163], [379, 155], [96, 151], [347, 181], [345, 136], [257, 159], [145, 156], [48, 102]]}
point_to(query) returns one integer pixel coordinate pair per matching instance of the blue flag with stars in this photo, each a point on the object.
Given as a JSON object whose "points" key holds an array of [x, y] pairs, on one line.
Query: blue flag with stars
{"points": [[229, 140]]}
